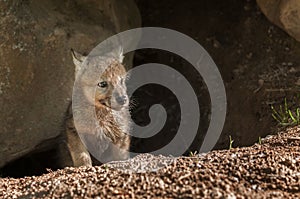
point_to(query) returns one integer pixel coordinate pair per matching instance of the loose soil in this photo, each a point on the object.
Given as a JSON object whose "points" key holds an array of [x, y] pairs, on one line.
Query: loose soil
{"points": [[267, 170]]}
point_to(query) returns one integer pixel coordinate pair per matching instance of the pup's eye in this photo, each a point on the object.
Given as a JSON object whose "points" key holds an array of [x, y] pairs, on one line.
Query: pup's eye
{"points": [[102, 84]]}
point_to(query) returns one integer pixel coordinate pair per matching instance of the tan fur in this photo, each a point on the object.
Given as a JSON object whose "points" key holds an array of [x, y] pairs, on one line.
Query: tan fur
{"points": [[112, 118]]}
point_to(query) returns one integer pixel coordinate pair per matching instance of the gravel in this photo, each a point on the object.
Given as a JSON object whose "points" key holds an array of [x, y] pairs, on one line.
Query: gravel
{"points": [[267, 170]]}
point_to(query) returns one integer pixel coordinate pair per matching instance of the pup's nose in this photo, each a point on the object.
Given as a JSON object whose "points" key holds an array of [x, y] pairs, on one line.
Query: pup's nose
{"points": [[121, 100]]}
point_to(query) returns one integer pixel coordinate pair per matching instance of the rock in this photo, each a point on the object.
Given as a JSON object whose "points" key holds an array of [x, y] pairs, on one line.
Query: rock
{"points": [[36, 69], [283, 13]]}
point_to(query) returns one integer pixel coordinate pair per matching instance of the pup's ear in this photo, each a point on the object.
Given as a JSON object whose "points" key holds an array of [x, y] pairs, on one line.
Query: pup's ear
{"points": [[118, 54], [78, 59]]}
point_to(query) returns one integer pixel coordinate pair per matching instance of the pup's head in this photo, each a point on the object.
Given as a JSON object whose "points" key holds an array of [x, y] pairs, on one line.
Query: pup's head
{"points": [[111, 89]]}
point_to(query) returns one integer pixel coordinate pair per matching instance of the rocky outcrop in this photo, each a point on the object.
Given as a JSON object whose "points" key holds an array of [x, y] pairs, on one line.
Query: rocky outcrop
{"points": [[283, 13], [36, 70]]}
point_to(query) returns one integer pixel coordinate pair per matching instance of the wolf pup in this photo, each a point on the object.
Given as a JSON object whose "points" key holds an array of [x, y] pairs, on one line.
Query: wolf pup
{"points": [[111, 104]]}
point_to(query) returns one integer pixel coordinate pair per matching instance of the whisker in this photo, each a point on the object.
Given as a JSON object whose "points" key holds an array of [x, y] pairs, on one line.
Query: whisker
{"points": [[134, 102]]}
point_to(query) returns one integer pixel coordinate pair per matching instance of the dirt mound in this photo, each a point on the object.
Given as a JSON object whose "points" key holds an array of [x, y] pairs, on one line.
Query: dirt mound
{"points": [[270, 169]]}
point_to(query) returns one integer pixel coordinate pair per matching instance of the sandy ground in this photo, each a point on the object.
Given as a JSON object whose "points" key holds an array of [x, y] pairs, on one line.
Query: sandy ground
{"points": [[270, 169]]}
